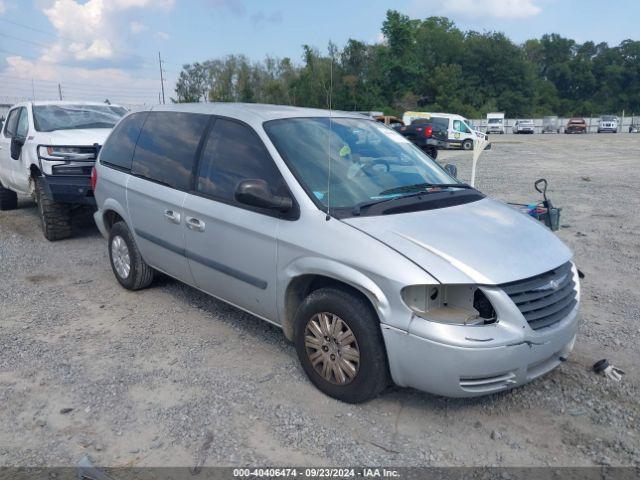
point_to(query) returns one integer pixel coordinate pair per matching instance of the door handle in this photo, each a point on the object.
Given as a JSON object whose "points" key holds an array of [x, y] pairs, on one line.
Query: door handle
{"points": [[172, 216], [195, 224]]}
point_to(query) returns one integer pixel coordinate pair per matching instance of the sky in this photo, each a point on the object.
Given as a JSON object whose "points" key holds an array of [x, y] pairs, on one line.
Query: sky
{"points": [[98, 49]]}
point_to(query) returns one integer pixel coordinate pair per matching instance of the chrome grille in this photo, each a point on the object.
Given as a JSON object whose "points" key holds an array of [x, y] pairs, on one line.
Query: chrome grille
{"points": [[545, 299]]}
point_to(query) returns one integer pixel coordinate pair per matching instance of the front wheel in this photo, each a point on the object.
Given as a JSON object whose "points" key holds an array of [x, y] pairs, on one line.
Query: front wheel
{"points": [[467, 144], [55, 218], [130, 269], [339, 344]]}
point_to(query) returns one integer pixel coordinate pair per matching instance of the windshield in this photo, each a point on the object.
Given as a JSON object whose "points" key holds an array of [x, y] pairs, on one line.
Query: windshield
{"points": [[369, 162], [608, 118], [47, 118], [495, 120]]}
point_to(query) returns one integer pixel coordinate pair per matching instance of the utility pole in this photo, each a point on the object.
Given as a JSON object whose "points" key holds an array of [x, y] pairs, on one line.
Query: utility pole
{"points": [[161, 77], [60, 91], [33, 90]]}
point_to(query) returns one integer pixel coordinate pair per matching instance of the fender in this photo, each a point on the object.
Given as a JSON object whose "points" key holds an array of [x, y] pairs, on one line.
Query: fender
{"points": [[331, 269], [110, 204]]}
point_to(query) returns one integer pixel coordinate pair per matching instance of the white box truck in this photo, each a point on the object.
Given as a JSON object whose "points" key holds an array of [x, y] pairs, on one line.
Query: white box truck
{"points": [[495, 122]]}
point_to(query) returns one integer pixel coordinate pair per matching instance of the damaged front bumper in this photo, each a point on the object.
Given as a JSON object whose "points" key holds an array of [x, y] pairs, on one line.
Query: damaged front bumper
{"points": [[467, 361]]}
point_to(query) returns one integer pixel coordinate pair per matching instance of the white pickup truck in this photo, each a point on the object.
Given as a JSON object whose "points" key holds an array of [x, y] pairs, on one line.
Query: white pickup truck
{"points": [[47, 151]]}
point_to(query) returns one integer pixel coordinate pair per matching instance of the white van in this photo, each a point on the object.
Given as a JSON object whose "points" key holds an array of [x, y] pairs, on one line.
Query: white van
{"points": [[460, 134], [495, 122]]}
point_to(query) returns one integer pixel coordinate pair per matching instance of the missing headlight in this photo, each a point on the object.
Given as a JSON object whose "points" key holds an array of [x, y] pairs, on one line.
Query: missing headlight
{"points": [[482, 304], [452, 304]]}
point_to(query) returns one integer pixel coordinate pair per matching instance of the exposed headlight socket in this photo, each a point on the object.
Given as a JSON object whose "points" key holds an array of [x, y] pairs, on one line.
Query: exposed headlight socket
{"points": [[451, 304]]}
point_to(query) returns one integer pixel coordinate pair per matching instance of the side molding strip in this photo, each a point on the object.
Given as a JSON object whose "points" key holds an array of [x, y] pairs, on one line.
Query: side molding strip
{"points": [[232, 272]]}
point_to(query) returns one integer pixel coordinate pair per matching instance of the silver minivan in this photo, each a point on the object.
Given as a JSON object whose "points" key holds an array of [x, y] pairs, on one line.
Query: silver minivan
{"points": [[374, 261]]}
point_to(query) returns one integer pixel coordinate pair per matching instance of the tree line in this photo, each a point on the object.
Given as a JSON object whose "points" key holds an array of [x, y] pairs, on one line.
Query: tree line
{"points": [[432, 65]]}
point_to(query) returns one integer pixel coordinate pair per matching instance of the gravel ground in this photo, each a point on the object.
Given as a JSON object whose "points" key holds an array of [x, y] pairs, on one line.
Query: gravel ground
{"points": [[171, 377]]}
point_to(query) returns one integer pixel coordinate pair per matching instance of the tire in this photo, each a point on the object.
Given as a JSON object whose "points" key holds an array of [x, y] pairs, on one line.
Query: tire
{"points": [[55, 218], [371, 371], [431, 151], [8, 199], [467, 144], [139, 275]]}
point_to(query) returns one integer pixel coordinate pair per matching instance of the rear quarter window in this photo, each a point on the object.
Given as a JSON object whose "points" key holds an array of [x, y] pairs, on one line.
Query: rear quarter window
{"points": [[167, 147], [118, 150]]}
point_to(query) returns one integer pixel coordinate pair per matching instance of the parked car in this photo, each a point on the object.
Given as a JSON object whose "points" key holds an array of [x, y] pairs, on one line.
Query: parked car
{"points": [[374, 261], [430, 134], [47, 150], [524, 126], [608, 123], [635, 126], [495, 122], [460, 135], [550, 124], [576, 125]]}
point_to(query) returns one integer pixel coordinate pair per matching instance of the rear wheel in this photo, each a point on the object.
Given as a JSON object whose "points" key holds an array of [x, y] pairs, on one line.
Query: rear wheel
{"points": [[467, 144], [431, 151], [130, 269], [339, 344], [8, 199], [55, 218]]}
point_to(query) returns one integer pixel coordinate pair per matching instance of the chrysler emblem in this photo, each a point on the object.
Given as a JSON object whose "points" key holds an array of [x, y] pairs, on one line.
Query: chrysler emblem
{"points": [[551, 284]]}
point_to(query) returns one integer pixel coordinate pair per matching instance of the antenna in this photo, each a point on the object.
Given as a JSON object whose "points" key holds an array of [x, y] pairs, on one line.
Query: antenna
{"points": [[328, 217]]}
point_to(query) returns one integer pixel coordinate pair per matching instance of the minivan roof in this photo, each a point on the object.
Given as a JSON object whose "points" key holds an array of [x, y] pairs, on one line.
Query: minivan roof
{"points": [[250, 111]]}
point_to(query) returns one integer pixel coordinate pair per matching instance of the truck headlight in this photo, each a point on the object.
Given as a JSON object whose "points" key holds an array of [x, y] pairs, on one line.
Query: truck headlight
{"points": [[452, 304], [55, 153]]}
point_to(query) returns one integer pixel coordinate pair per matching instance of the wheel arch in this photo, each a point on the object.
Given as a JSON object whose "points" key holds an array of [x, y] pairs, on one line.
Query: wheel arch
{"points": [[311, 274]]}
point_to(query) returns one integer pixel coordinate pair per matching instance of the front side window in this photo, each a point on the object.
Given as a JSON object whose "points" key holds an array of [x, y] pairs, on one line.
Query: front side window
{"points": [[47, 118], [118, 150], [459, 126], [233, 153], [167, 147], [22, 130], [347, 162], [12, 123]]}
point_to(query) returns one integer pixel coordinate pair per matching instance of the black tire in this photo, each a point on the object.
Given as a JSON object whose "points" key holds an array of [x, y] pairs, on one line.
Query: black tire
{"points": [[431, 151], [372, 375], [140, 274], [467, 144], [55, 218], [8, 199]]}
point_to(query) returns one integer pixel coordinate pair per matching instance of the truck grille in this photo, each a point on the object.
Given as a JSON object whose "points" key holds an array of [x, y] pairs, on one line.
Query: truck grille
{"points": [[545, 299]]}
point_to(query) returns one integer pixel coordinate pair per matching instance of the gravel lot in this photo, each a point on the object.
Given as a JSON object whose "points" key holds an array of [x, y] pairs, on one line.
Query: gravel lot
{"points": [[169, 376]]}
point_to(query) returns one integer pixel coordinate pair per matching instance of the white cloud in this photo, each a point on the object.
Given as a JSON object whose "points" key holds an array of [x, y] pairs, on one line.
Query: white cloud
{"points": [[163, 35], [137, 27], [93, 30], [499, 9], [3, 7]]}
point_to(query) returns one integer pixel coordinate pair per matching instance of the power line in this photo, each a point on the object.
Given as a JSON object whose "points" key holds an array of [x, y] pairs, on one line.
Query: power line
{"points": [[54, 35]]}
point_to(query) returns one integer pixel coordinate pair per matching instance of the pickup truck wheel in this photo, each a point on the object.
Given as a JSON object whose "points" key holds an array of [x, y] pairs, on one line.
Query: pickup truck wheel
{"points": [[55, 218], [8, 199], [467, 144], [130, 269], [431, 151], [339, 344]]}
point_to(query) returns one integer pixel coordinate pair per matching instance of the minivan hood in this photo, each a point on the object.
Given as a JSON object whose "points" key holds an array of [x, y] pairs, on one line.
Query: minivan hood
{"points": [[485, 242], [81, 137]]}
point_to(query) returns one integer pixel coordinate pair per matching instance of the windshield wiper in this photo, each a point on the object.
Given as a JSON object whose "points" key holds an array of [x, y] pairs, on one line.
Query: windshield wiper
{"points": [[410, 190], [420, 187]]}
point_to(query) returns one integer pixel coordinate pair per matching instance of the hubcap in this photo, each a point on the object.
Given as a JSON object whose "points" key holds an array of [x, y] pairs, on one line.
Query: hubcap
{"points": [[332, 348], [120, 256]]}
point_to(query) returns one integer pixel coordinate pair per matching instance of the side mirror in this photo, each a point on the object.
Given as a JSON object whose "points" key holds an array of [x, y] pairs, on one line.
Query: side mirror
{"points": [[451, 170], [16, 147], [257, 194]]}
